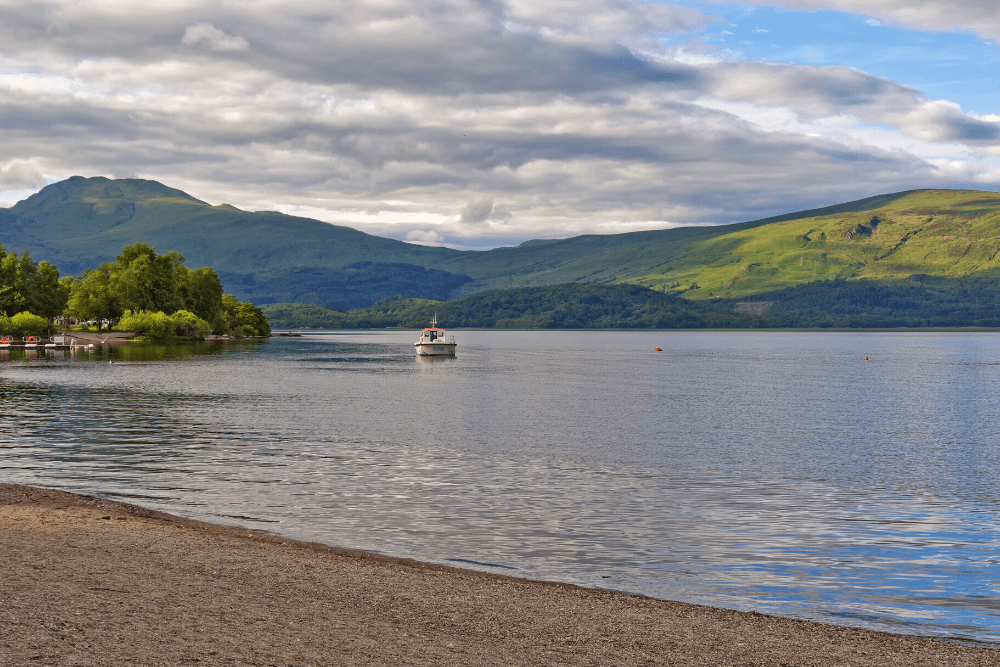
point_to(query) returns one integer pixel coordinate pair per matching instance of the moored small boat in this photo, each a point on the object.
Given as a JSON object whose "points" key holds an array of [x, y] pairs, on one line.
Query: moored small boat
{"points": [[433, 342]]}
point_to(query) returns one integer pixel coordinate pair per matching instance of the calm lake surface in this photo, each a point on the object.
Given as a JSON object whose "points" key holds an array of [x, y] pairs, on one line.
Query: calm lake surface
{"points": [[779, 472]]}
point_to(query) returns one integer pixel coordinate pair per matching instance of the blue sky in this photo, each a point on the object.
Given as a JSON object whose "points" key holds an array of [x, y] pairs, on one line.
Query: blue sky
{"points": [[955, 65], [478, 123]]}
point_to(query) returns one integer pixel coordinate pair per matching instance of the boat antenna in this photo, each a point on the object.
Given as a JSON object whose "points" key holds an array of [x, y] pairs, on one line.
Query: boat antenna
{"points": [[434, 322]]}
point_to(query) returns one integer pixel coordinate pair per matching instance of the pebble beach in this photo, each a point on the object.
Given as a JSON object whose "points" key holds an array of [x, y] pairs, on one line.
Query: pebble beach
{"points": [[90, 581]]}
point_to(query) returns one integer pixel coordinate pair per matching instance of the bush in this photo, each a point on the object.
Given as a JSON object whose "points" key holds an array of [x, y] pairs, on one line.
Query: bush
{"points": [[160, 326], [156, 326], [247, 331], [26, 324], [190, 325]]}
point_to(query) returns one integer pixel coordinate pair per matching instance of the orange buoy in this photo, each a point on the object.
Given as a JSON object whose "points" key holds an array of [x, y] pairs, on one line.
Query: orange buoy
{"points": [[866, 358], [5, 340], [32, 339], [656, 349]]}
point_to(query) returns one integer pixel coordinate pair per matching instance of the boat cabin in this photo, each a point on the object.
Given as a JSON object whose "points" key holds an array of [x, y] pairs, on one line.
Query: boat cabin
{"points": [[431, 334]]}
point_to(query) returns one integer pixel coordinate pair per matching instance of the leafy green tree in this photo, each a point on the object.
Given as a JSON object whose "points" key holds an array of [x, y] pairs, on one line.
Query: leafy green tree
{"points": [[47, 294], [139, 280], [11, 299], [242, 317], [25, 285], [91, 298], [203, 296]]}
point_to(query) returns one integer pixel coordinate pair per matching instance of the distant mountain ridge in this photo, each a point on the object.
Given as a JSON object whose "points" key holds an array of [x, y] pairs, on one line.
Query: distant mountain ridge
{"points": [[78, 223], [269, 257]]}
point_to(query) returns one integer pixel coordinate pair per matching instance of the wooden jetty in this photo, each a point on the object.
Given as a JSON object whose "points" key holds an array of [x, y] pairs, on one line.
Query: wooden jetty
{"points": [[36, 343]]}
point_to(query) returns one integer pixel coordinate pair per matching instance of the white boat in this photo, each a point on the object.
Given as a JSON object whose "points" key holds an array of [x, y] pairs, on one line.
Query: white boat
{"points": [[432, 342]]}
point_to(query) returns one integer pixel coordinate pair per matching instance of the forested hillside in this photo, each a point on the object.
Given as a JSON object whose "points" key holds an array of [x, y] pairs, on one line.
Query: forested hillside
{"points": [[567, 306], [840, 304]]}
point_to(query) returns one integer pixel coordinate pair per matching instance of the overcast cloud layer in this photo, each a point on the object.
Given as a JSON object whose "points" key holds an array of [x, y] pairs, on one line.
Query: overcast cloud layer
{"points": [[471, 123]]}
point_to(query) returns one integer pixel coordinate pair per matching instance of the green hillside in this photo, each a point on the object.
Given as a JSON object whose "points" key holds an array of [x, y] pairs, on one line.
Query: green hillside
{"points": [[78, 223], [85, 220], [273, 258], [940, 233], [614, 257]]}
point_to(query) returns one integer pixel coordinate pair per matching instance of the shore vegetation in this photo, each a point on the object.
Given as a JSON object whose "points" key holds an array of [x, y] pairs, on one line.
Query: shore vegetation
{"points": [[918, 302], [154, 295]]}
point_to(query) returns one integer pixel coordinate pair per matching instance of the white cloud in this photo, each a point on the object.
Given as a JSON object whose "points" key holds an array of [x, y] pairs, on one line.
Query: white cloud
{"points": [[424, 237], [21, 175], [207, 36]]}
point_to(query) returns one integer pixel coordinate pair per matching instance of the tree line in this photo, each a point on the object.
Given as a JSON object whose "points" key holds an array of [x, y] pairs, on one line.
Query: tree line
{"points": [[138, 291], [566, 306], [915, 302]]}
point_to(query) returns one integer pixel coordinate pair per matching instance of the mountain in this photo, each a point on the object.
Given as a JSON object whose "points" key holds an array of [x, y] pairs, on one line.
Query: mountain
{"points": [[78, 223], [274, 258]]}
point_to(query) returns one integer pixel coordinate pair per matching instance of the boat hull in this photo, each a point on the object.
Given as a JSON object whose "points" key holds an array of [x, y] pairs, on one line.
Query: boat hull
{"points": [[435, 349]]}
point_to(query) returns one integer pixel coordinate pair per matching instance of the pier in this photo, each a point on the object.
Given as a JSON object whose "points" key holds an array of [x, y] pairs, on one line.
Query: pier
{"points": [[36, 343]]}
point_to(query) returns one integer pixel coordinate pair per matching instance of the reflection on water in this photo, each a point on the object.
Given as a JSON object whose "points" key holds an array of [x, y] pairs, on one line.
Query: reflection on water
{"points": [[777, 472]]}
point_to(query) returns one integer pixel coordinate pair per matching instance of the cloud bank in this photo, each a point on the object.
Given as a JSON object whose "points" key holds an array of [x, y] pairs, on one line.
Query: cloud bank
{"points": [[465, 122]]}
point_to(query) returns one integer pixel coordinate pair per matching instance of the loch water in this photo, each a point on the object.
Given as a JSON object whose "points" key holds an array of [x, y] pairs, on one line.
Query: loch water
{"points": [[777, 472]]}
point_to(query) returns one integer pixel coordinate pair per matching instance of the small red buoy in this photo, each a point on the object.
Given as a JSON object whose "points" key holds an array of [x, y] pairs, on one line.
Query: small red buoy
{"points": [[656, 349], [866, 358]]}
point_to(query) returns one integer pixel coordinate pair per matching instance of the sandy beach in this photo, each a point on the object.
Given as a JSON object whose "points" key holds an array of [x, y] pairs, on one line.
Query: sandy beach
{"points": [[88, 581]]}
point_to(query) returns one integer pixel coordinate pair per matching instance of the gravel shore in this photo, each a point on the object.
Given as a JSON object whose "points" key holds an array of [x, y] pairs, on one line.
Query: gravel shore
{"points": [[88, 581]]}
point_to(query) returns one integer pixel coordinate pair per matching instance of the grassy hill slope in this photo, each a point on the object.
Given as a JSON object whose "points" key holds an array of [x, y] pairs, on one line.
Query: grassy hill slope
{"points": [[941, 233], [614, 257]]}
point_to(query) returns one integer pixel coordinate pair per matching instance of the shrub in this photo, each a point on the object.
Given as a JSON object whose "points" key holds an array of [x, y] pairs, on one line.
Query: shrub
{"points": [[159, 326], [26, 324], [151, 325], [188, 324]]}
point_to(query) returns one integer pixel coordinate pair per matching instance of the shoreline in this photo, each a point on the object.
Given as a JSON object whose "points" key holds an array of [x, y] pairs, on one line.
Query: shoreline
{"points": [[100, 582], [103, 339]]}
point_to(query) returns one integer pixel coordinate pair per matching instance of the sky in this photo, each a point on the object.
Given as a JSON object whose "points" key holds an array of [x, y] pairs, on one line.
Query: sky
{"points": [[482, 123]]}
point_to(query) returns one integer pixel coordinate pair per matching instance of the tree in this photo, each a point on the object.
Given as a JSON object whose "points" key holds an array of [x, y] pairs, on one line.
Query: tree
{"points": [[243, 318], [91, 298], [139, 280], [26, 286], [47, 294], [203, 291]]}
